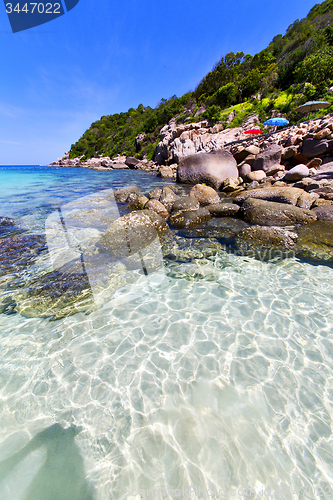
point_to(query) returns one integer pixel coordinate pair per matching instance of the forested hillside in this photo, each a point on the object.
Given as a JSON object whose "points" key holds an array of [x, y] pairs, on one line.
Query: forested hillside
{"points": [[294, 68]]}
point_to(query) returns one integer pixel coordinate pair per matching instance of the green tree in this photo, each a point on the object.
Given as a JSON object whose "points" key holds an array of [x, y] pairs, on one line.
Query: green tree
{"points": [[317, 68]]}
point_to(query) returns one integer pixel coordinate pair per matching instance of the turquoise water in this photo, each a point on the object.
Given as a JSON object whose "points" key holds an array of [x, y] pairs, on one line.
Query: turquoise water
{"points": [[215, 382]]}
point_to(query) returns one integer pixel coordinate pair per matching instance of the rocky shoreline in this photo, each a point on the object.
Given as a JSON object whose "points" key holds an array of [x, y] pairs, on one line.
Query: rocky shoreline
{"points": [[274, 182], [267, 197]]}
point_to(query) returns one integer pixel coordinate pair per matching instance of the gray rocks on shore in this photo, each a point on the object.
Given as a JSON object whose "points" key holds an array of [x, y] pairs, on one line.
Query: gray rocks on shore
{"points": [[268, 158], [209, 168]]}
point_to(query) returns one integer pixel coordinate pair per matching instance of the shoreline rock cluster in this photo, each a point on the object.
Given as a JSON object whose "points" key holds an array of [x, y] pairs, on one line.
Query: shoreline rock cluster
{"points": [[278, 180], [299, 143]]}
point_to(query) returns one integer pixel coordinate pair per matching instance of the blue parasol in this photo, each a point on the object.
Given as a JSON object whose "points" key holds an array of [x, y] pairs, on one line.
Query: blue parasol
{"points": [[276, 122]]}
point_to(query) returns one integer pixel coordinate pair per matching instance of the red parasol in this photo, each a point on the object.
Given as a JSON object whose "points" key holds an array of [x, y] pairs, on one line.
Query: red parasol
{"points": [[253, 131]]}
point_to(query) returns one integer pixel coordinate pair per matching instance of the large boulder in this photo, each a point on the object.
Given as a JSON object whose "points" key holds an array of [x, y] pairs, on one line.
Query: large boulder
{"points": [[269, 157], [209, 168], [269, 213], [205, 194], [279, 194]]}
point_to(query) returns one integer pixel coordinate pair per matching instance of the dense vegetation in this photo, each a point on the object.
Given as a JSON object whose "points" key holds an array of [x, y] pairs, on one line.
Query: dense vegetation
{"points": [[293, 68]]}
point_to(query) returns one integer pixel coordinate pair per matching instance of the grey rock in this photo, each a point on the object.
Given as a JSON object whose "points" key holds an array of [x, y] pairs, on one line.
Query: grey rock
{"points": [[167, 198], [209, 168], [297, 173], [186, 203], [269, 213], [266, 237], [244, 170], [223, 209], [324, 212], [120, 166], [324, 171], [314, 147], [154, 194], [188, 219], [165, 172], [131, 162], [122, 195], [275, 193], [269, 157]]}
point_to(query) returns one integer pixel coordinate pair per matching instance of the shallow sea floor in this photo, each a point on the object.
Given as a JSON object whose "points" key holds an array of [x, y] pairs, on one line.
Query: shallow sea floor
{"points": [[214, 381]]}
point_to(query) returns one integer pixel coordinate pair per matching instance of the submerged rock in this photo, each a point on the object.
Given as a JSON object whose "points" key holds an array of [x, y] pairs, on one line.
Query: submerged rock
{"points": [[19, 252], [6, 221], [57, 294], [315, 241], [324, 212], [186, 203], [189, 218], [264, 237], [222, 228], [132, 232]]}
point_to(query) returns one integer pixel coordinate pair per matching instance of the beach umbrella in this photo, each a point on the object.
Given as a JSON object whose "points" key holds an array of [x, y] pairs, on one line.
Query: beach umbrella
{"points": [[253, 131], [312, 106], [276, 122]]}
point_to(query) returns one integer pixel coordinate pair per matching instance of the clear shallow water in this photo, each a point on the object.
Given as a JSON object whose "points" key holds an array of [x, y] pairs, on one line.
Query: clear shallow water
{"points": [[218, 379]]}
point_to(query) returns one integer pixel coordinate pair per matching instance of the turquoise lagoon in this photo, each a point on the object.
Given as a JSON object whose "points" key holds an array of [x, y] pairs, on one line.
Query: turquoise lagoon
{"points": [[216, 382]]}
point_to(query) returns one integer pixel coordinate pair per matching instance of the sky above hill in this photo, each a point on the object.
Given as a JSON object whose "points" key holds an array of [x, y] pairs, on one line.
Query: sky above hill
{"points": [[104, 57]]}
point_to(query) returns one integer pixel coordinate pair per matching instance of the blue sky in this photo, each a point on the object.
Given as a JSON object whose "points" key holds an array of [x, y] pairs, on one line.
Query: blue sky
{"points": [[106, 56]]}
